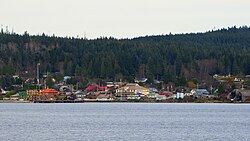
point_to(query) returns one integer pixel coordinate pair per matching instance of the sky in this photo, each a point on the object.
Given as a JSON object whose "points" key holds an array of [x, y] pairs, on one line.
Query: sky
{"points": [[121, 18]]}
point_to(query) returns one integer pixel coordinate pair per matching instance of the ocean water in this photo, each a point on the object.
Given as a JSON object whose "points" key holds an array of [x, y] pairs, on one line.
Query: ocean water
{"points": [[124, 121]]}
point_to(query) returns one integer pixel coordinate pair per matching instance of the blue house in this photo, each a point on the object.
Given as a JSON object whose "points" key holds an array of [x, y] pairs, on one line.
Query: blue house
{"points": [[201, 92]]}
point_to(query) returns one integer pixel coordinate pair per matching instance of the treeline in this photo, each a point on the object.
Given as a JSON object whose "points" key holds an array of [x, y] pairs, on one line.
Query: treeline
{"points": [[175, 58]]}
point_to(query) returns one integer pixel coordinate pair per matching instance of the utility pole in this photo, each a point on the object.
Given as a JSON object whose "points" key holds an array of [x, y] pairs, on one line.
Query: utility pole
{"points": [[37, 74]]}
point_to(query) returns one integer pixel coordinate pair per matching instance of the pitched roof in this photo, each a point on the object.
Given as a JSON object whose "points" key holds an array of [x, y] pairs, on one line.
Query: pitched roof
{"points": [[133, 86], [89, 88]]}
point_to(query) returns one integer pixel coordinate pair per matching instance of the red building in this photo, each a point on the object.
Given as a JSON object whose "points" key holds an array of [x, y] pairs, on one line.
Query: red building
{"points": [[49, 94]]}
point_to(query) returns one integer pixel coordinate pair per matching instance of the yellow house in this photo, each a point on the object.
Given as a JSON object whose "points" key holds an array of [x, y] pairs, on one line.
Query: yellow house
{"points": [[132, 89]]}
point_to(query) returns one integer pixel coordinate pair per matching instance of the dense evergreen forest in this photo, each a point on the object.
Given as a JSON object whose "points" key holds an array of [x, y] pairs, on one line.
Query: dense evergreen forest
{"points": [[171, 58]]}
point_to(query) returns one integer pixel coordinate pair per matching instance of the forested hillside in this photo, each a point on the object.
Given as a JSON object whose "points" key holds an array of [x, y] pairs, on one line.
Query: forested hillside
{"points": [[175, 58]]}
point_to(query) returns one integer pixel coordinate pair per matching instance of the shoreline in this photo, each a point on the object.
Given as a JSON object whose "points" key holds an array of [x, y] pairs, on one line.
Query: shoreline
{"points": [[12, 101], [207, 102]]}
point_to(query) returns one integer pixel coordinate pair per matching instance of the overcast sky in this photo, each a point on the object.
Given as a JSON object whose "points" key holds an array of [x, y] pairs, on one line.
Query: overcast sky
{"points": [[121, 18]]}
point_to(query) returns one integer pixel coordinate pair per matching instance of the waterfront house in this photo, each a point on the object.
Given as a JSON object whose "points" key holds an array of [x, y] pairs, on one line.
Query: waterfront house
{"points": [[80, 94], [33, 94], [179, 96], [166, 93], [161, 97], [104, 96], [188, 93], [23, 96], [132, 89], [153, 92], [49, 94], [14, 97], [199, 92]]}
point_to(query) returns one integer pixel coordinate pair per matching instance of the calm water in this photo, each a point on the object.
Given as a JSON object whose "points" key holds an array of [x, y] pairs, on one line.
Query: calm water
{"points": [[124, 121]]}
